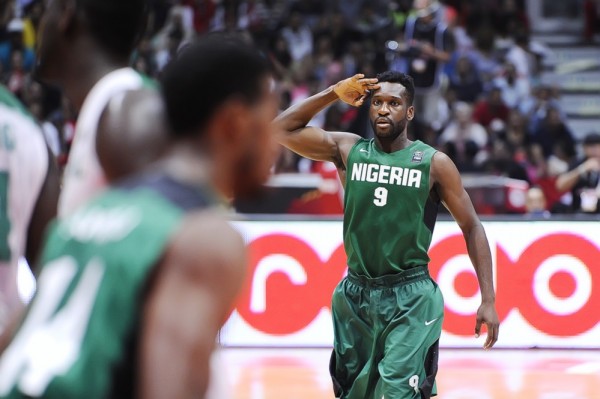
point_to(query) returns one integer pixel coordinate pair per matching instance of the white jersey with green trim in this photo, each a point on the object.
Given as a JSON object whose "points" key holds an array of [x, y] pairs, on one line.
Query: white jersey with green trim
{"points": [[84, 177], [23, 170]]}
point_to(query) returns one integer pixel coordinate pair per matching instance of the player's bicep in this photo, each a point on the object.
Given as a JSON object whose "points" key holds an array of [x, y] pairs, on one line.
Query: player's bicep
{"points": [[451, 191], [318, 144]]}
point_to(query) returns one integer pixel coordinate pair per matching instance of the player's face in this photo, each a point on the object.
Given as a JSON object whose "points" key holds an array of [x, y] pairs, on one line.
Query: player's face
{"points": [[389, 112], [261, 150], [47, 40]]}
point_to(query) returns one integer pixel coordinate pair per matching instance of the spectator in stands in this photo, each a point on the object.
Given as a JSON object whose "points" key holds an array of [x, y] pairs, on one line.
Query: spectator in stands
{"points": [[313, 42], [535, 204], [583, 178], [514, 88], [430, 46], [536, 106], [144, 58], [484, 56], [17, 77], [491, 108], [203, 10], [310, 10], [553, 132], [515, 133], [464, 139], [174, 41], [465, 81], [502, 162], [51, 133], [399, 12], [322, 58], [369, 22], [520, 56], [14, 43], [180, 19], [33, 14], [298, 37], [340, 34]]}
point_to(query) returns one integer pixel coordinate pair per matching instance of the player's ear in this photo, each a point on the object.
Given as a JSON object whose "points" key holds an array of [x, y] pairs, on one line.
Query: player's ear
{"points": [[67, 22], [232, 122], [410, 113]]}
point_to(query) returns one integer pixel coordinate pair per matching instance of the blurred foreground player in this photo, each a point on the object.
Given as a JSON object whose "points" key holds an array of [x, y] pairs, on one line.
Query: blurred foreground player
{"points": [[388, 312], [28, 194], [136, 284], [84, 47], [29, 186]]}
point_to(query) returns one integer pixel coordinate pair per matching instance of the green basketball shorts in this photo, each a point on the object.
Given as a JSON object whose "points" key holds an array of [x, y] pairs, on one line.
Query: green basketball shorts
{"points": [[386, 336]]}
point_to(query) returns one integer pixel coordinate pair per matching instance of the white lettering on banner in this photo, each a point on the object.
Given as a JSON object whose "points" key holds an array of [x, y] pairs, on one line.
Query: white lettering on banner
{"points": [[544, 274], [385, 174], [269, 265]]}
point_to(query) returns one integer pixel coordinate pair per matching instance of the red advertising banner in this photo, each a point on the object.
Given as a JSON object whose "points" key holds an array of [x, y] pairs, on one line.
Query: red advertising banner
{"points": [[547, 278]]}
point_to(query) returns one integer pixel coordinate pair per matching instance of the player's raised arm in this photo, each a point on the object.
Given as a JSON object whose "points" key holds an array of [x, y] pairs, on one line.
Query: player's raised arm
{"points": [[315, 143], [192, 295], [448, 184]]}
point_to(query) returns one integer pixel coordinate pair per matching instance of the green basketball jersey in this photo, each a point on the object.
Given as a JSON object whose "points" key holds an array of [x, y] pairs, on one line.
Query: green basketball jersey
{"points": [[79, 338], [388, 215]]}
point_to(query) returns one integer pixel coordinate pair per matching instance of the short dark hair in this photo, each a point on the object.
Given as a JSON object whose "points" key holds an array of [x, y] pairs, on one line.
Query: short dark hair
{"points": [[207, 73], [117, 25], [592, 138], [402, 78]]}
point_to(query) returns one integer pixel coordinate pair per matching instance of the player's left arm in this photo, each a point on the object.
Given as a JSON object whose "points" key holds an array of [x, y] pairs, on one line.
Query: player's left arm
{"points": [[191, 297], [448, 184], [43, 213]]}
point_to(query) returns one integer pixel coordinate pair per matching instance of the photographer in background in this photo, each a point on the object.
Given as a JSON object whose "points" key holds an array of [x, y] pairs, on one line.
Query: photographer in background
{"points": [[430, 45], [583, 178]]}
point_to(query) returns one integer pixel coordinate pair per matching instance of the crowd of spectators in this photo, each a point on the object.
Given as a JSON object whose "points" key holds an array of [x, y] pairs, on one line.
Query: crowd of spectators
{"points": [[479, 98]]}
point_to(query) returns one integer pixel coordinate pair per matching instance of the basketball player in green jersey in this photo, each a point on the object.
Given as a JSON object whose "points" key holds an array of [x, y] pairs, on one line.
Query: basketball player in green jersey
{"points": [[136, 283], [388, 312], [84, 47]]}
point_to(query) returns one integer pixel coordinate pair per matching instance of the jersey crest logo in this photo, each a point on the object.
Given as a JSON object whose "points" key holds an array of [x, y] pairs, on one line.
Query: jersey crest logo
{"points": [[417, 157]]}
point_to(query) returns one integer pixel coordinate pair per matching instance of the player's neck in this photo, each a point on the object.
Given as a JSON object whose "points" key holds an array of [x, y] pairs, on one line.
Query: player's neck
{"points": [[393, 145], [185, 165], [85, 68]]}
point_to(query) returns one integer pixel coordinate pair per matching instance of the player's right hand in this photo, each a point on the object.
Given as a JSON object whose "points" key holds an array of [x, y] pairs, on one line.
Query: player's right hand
{"points": [[353, 90]]}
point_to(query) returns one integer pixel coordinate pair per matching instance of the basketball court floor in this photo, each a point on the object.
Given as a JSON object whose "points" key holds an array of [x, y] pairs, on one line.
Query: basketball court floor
{"points": [[464, 374]]}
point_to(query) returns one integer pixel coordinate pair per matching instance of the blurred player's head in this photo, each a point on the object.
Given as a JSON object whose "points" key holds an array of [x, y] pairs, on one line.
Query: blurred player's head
{"points": [[392, 104], [110, 26], [218, 95]]}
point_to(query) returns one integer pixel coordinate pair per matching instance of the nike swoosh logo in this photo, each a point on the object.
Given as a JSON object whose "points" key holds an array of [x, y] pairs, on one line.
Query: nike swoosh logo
{"points": [[430, 322], [363, 150]]}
